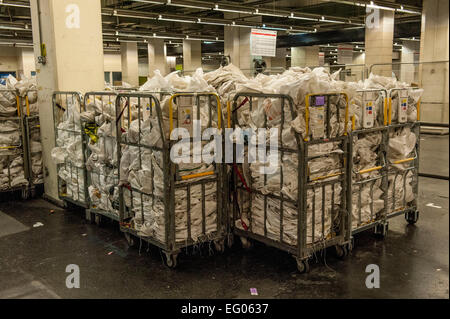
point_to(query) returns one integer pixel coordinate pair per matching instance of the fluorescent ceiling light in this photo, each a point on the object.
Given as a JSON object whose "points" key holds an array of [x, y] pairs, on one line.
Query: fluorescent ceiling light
{"points": [[14, 5], [5, 27], [332, 21], [272, 14], [273, 28], [212, 23], [301, 18], [216, 7], [372, 5], [187, 6], [149, 2], [176, 20], [408, 11]]}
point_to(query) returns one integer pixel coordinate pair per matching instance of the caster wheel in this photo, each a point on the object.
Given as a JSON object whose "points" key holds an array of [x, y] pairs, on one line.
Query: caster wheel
{"points": [[412, 217], [381, 230], [220, 246], [246, 243], [130, 240], [98, 219], [171, 260], [302, 266], [341, 251]]}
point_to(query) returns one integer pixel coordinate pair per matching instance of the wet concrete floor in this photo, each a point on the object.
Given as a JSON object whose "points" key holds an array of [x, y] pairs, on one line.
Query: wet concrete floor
{"points": [[413, 259]]}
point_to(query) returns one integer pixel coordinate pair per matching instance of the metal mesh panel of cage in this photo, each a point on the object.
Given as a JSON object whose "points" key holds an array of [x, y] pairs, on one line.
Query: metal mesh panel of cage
{"points": [[70, 152], [99, 127], [35, 166], [13, 169], [368, 142], [403, 154], [301, 206], [170, 205]]}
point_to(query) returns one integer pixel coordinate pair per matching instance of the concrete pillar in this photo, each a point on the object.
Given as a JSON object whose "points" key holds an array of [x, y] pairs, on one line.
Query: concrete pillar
{"points": [[305, 56], [72, 33], [237, 43], [434, 47], [192, 55], [279, 61], [26, 63], [379, 39], [231, 44], [157, 54], [130, 63], [410, 53]]}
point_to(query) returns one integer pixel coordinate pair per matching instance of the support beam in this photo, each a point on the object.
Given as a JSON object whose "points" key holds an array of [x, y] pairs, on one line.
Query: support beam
{"points": [[157, 53], [379, 39], [130, 63], [305, 56], [434, 46], [192, 55], [72, 33]]}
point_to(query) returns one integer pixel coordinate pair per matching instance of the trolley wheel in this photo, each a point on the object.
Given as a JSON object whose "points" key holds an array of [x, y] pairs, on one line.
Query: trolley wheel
{"points": [[130, 239], [171, 260], [412, 217], [381, 229], [341, 251], [220, 245], [98, 219], [33, 192], [246, 243], [302, 265]]}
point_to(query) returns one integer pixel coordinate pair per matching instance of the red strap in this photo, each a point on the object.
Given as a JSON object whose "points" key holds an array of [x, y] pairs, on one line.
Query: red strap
{"points": [[240, 105], [244, 225], [241, 178]]}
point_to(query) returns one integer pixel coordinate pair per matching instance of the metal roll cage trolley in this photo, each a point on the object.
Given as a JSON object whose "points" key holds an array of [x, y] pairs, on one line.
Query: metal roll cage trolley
{"points": [[339, 237]]}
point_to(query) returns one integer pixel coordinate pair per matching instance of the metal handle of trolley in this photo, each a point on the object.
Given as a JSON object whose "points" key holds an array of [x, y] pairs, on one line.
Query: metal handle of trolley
{"points": [[219, 124], [406, 160]]}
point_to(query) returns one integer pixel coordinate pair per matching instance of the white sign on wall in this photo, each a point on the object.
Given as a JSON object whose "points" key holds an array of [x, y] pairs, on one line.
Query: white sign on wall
{"points": [[263, 42]]}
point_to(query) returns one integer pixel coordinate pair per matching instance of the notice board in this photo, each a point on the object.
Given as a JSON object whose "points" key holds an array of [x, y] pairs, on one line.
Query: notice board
{"points": [[263, 42]]}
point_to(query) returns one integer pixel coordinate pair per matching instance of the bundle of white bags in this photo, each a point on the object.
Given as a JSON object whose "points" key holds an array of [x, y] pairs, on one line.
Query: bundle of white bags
{"points": [[69, 152], [12, 172], [297, 83], [143, 169], [101, 163]]}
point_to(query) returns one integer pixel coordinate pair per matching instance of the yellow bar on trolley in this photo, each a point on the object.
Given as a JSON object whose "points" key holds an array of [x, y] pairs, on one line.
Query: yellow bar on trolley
{"points": [[385, 111], [185, 177], [8, 147], [325, 176], [418, 110], [368, 170], [404, 160], [28, 105], [18, 105]]}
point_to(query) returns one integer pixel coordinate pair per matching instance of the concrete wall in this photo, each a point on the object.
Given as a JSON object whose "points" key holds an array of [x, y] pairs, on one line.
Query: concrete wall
{"points": [[8, 59]]}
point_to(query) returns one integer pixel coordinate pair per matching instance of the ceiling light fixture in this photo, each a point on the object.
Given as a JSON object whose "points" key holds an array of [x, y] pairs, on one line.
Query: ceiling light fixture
{"points": [[292, 16]]}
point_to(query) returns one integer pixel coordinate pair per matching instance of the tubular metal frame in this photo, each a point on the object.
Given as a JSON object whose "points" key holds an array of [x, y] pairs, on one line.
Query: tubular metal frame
{"points": [[57, 108], [379, 218], [172, 180], [301, 251], [409, 209], [113, 213], [21, 147]]}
